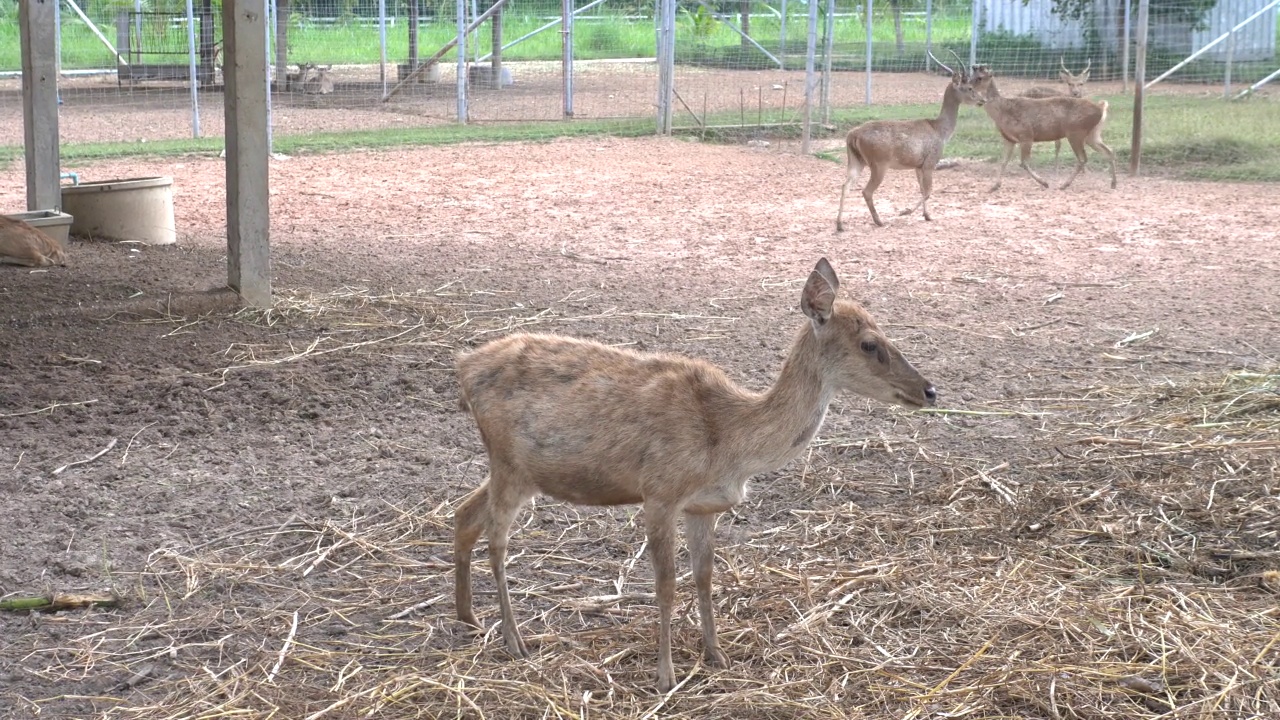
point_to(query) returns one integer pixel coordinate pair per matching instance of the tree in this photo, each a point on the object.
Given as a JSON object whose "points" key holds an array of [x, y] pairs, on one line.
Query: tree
{"points": [[1190, 12]]}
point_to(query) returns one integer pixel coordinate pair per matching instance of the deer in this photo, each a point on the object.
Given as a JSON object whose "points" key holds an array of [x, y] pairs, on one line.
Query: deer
{"points": [[904, 144], [297, 81], [23, 244], [1023, 121], [321, 83], [591, 424], [1075, 88]]}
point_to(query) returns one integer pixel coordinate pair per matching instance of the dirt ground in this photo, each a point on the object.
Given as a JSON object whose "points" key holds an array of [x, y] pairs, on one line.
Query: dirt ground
{"points": [[273, 511]]}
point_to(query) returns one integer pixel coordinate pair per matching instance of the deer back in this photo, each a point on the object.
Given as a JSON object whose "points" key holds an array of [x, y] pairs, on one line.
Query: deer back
{"points": [[22, 244]]}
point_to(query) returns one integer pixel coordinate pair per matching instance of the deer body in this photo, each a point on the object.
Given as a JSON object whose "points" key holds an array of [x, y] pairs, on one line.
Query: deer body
{"points": [[903, 145], [594, 425], [1024, 121], [1075, 88], [319, 84], [22, 244]]}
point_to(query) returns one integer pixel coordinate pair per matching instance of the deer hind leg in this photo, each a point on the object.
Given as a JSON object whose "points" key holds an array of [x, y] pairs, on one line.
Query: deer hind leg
{"points": [[877, 177], [505, 500], [1057, 150], [1025, 162], [660, 530], [1095, 142], [852, 172], [699, 533], [924, 176], [1077, 146], [1008, 155], [469, 520]]}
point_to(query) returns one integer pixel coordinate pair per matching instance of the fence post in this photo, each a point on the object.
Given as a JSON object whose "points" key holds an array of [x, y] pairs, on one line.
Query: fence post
{"points": [[1231, 53], [828, 42], [782, 34], [928, 35], [973, 32], [1139, 88], [806, 133], [461, 9], [868, 88], [566, 58], [1124, 51], [191, 68], [666, 63]]}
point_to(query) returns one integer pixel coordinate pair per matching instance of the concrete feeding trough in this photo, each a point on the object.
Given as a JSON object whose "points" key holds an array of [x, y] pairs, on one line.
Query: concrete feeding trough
{"points": [[135, 209], [55, 224], [482, 76], [429, 75]]}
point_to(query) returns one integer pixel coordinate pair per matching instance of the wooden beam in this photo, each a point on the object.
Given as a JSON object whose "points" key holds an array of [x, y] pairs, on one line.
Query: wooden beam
{"points": [[245, 70], [39, 34]]}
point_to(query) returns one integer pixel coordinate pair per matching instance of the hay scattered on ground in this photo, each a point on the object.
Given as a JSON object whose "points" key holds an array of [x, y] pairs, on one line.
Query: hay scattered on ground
{"points": [[1124, 566]]}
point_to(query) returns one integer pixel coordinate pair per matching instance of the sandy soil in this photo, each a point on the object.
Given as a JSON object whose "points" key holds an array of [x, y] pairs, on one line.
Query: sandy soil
{"points": [[227, 421]]}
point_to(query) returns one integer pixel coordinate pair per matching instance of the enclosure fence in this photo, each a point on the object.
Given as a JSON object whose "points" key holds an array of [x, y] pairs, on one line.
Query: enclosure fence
{"points": [[144, 72]]}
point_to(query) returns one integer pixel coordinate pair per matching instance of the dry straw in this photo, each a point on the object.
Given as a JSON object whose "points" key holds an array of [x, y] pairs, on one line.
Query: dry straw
{"points": [[1121, 564]]}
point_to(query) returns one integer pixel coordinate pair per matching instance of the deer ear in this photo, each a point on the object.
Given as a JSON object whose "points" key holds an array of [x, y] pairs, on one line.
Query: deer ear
{"points": [[819, 295]]}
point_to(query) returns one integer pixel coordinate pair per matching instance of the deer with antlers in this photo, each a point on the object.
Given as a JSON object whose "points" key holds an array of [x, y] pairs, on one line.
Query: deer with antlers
{"points": [[1075, 88], [1023, 121], [905, 145], [591, 424]]}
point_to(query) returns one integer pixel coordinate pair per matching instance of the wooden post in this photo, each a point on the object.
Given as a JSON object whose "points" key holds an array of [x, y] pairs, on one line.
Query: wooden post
{"points": [[413, 35], [566, 58], [39, 38], [666, 22], [1139, 88], [811, 49], [248, 207]]}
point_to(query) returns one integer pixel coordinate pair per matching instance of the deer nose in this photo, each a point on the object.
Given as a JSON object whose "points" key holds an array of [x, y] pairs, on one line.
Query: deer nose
{"points": [[931, 394]]}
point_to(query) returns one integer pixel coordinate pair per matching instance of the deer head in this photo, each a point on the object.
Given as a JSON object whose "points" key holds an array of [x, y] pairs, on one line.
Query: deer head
{"points": [[1075, 83]]}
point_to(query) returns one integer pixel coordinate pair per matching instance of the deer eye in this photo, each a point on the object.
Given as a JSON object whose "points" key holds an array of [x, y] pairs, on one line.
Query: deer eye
{"points": [[869, 347]]}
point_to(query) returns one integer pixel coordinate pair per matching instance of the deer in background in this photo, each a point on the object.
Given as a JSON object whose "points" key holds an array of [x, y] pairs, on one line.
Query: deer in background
{"points": [[904, 144], [22, 244], [321, 83], [591, 424], [1075, 88], [1023, 121]]}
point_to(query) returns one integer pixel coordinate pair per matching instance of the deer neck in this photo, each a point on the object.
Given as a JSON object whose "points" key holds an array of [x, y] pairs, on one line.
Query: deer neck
{"points": [[778, 425], [945, 123]]}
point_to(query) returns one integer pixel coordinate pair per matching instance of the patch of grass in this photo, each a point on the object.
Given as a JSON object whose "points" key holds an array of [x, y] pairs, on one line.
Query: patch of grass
{"points": [[1185, 137], [359, 140]]}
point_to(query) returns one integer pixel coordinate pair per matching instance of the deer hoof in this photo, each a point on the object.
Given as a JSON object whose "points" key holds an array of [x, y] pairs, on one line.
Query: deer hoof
{"points": [[716, 658]]}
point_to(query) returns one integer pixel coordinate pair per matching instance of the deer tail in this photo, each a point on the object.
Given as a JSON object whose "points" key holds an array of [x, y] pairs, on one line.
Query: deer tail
{"points": [[852, 153]]}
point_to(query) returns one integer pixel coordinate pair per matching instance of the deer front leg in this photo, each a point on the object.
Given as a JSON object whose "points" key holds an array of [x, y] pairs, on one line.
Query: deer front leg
{"points": [[1025, 162], [699, 533], [660, 529], [925, 178], [504, 503], [1008, 155]]}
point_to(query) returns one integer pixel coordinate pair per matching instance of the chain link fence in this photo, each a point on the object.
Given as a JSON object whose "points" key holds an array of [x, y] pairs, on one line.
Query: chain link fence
{"points": [[380, 66]]}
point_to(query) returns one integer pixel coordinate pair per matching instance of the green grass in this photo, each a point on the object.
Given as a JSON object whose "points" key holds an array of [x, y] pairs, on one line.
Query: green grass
{"points": [[356, 140], [1185, 137]]}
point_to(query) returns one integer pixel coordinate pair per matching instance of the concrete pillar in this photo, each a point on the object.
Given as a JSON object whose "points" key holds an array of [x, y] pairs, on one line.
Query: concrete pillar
{"points": [[248, 207], [39, 39]]}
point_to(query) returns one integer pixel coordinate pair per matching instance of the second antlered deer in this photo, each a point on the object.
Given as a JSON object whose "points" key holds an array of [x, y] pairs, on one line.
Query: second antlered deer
{"points": [[903, 144], [1075, 88], [591, 424], [1023, 121]]}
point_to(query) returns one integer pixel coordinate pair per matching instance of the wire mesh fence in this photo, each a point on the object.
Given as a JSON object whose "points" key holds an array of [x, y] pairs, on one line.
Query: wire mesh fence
{"points": [[366, 65]]}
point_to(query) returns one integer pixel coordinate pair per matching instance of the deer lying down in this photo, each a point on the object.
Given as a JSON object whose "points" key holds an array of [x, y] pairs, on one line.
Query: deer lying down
{"points": [[22, 244], [595, 425], [903, 144]]}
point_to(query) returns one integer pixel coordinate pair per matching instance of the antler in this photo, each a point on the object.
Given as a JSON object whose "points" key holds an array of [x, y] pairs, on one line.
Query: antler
{"points": [[1086, 66], [967, 71], [940, 63], [1062, 60]]}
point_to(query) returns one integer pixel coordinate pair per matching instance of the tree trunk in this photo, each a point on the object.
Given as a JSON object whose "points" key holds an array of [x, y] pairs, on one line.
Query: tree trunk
{"points": [[282, 45], [413, 35], [744, 10]]}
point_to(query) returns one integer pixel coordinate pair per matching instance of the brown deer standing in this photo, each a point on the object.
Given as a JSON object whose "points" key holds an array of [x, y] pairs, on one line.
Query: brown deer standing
{"points": [[595, 425], [22, 244], [1075, 88], [1023, 121], [904, 144]]}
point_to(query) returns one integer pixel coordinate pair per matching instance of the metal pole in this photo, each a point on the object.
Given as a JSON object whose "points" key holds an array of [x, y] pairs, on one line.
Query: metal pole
{"points": [[57, 48], [566, 61], [782, 34], [382, 44], [973, 32], [1128, 39], [928, 35], [666, 62], [191, 68], [1231, 52], [868, 90], [270, 29], [1139, 87], [475, 10], [461, 9], [811, 49], [827, 44]]}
